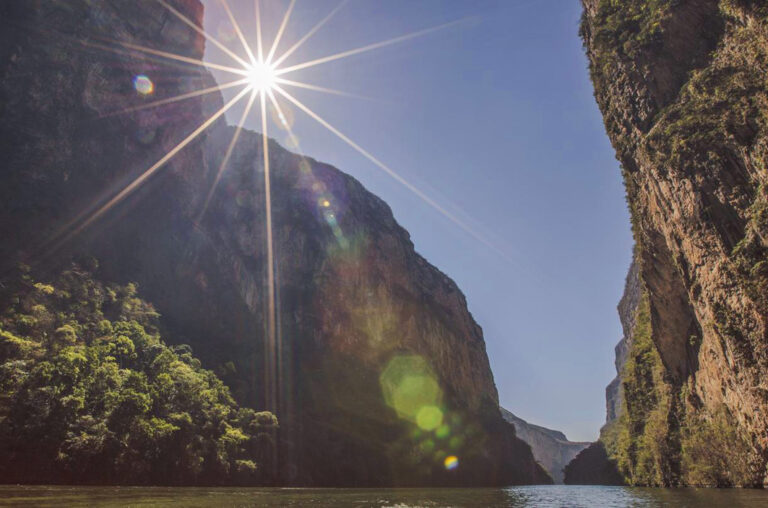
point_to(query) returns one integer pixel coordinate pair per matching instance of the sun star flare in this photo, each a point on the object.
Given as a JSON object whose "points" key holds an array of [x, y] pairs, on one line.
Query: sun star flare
{"points": [[261, 76]]}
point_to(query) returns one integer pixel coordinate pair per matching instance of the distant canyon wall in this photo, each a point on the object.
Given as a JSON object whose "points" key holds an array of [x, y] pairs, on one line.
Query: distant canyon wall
{"points": [[551, 448]]}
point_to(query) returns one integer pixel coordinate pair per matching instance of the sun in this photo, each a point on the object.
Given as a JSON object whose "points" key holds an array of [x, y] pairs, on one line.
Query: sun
{"points": [[261, 76]]}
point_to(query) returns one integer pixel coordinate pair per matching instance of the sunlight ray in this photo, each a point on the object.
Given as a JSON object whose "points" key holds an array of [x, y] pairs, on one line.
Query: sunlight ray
{"points": [[202, 32], [309, 34], [135, 184], [369, 47], [172, 56], [259, 45], [271, 336], [279, 110], [228, 153], [283, 119], [392, 173], [177, 98], [280, 32], [239, 32], [316, 88], [135, 53]]}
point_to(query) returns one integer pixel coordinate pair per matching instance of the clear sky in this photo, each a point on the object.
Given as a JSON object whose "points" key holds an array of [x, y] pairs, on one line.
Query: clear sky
{"points": [[493, 118]]}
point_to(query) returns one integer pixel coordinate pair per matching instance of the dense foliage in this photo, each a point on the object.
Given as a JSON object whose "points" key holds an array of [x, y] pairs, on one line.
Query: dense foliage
{"points": [[627, 27], [90, 393]]}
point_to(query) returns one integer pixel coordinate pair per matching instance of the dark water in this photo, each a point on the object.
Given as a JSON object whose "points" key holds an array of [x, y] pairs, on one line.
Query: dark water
{"points": [[538, 496]]}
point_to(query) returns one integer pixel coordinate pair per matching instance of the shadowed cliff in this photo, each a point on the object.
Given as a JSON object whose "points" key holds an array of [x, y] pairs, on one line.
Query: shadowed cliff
{"points": [[379, 376]]}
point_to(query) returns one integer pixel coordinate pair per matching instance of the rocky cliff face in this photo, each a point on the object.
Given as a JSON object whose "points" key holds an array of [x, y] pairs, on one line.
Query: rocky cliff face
{"points": [[681, 85], [614, 393], [380, 372], [550, 447]]}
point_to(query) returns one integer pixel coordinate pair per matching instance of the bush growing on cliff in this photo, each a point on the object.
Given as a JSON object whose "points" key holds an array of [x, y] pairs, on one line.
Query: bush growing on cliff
{"points": [[629, 26], [715, 453], [644, 440], [660, 440], [90, 393]]}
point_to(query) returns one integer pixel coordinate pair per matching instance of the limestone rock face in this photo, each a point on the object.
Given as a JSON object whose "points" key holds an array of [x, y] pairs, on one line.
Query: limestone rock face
{"points": [[681, 85], [379, 372], [550, 447]]}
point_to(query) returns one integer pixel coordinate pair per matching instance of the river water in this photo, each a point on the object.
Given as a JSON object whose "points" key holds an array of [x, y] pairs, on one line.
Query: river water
{"points": [[538, 496]]}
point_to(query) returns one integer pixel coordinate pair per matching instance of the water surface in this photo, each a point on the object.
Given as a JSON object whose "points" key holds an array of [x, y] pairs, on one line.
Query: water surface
{"points": [[538, 496]]}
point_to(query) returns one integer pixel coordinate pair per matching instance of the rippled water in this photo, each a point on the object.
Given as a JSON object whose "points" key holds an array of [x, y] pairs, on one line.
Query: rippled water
{"points": [[539, 496]]}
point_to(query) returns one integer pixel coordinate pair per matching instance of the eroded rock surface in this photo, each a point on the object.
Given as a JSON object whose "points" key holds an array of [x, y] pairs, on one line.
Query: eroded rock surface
{"points": [[681, 85]]}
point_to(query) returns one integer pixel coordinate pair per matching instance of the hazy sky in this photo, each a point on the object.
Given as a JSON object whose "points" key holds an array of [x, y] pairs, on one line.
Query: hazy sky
{"points": [[494, 118]]}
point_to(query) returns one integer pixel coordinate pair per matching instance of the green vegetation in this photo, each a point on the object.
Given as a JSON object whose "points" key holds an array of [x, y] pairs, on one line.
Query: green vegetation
{"points": [[705, 125], [661, 438], [644, 440], [628, 27], [89, 393], [750, 256], [715, 453]]}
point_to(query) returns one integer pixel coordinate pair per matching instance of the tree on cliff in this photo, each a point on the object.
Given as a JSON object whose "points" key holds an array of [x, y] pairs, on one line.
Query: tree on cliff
{"points": [[90, 393]]}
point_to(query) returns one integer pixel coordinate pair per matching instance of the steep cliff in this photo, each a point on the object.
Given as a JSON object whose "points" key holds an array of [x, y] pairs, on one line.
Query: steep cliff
{"points": [[630, 299], [379, 373], [681, 85], [550, 447]]}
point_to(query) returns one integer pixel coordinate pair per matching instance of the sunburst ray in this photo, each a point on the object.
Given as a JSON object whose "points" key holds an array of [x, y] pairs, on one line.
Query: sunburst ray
{"points": [[227, 154], [177, 98], [280, 31], [392, 173], [259, 45], [309, 34], [239, 32], [317, 88], [132, 48], [180, 58], [202, 32], [137, 182], [271, 335], [369, 47]]}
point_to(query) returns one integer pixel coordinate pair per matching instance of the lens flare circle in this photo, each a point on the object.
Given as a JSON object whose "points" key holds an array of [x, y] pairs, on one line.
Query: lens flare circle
{"points": [[143, 84], [451, 462], [429, 417]]}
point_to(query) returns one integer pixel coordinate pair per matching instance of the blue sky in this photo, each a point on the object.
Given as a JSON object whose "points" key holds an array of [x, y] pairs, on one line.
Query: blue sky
{"points": [[493, 118]]}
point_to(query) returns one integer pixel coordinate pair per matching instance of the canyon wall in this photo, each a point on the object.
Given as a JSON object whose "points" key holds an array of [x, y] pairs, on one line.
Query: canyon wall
{"points": [[550, 448], [379, 374], [681, 86], [630, 299]]}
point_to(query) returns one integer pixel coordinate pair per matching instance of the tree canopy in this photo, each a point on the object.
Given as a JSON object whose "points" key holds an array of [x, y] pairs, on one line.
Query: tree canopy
{"points": [[90, 393]]}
